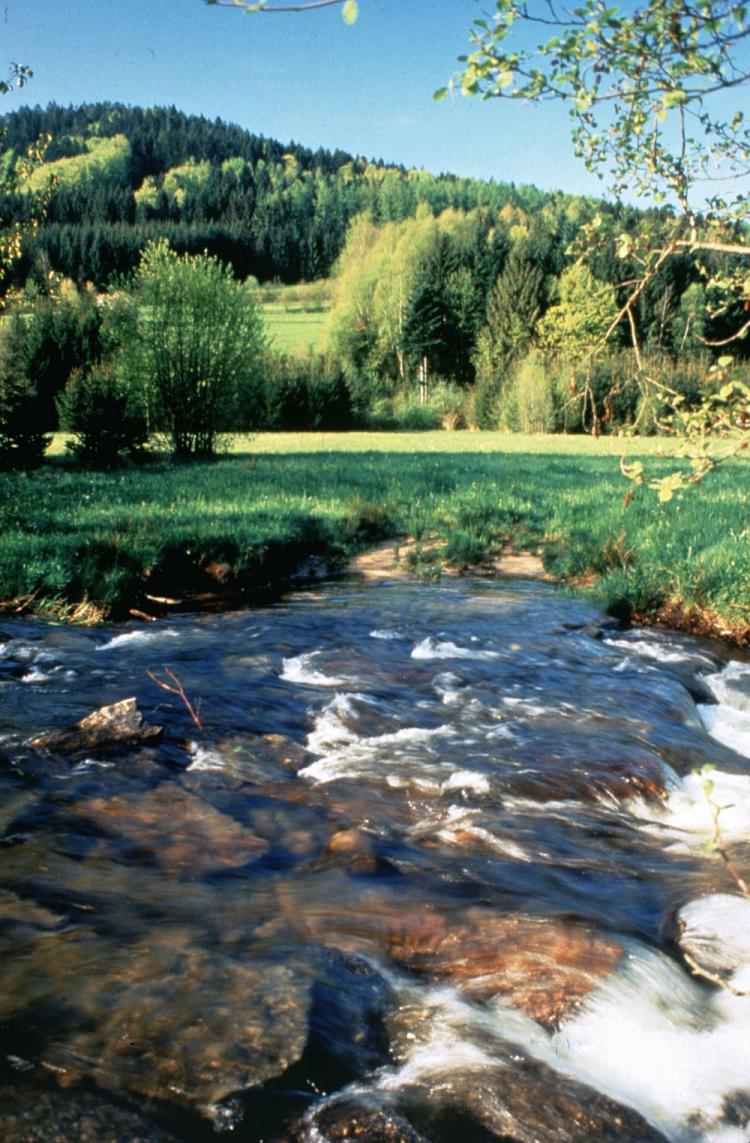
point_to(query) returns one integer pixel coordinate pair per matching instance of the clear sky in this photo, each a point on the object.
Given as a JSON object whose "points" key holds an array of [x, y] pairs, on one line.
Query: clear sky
{"points": [[309, 78]]}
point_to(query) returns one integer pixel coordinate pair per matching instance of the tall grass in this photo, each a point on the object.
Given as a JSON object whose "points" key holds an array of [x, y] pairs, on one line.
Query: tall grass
{"points": [[108, 537]]}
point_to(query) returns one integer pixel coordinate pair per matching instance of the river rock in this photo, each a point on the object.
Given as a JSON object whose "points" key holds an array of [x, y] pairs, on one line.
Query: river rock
{"points": [[28, 1115], [163, 1019], [542, 965], [192, 1027], [108, 729], [182, 833], [351, 848], [18, 913], [578, 771], [714, 934], [352, 1117], [523, 1101]]}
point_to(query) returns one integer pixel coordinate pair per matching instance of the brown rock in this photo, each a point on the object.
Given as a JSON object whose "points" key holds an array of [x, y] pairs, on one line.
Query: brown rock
{"points": [[187, 1025], [162, 1019], [109, 728], [352, 849], [352, 1118], [525, 1101], [541, 965], [28, 1115], [181, 832]]}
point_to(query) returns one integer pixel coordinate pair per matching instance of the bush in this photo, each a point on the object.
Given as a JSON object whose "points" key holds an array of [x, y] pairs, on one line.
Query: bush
{"points": [[404, 410], [532, 401], [22, 443], [108, 415], [50, 339], [300, 393], [198, 347]]}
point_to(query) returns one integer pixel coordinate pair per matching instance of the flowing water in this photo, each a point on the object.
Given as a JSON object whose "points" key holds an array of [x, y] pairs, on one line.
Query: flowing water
{"points": [[435, 868]]}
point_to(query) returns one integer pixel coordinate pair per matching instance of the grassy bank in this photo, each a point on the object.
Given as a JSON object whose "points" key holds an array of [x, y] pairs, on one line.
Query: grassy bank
{"points": [[165, 530]]}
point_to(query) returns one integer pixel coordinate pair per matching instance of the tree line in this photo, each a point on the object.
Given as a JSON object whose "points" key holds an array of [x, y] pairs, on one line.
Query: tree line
{"points": [[454, 302], [124, 177]]}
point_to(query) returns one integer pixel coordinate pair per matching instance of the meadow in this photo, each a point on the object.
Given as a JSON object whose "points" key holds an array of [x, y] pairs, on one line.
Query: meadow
{"points": [[295, 317], [291, 329], [112, 539]]}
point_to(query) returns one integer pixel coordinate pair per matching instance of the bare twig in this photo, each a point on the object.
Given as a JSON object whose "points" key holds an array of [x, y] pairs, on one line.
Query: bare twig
{"points": [[716, 842], [696, 969], [175, 687]]}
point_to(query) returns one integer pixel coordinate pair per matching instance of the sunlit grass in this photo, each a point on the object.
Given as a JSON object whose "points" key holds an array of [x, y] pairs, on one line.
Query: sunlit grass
{"points": [[279, 497]]}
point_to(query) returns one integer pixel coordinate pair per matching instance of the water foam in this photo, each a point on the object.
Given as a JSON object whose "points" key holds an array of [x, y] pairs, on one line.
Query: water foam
{"points": [[466, 780], [431, 648], [729, 720], [352, 755], [657, 651], [689, 811], [138, 637], [300, 669], [680, 1053], [204, 758], [460, 822]]}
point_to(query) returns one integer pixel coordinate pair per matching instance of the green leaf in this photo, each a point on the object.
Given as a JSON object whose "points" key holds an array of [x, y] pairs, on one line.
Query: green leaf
{"points": [[440, 94], [350, 11]]}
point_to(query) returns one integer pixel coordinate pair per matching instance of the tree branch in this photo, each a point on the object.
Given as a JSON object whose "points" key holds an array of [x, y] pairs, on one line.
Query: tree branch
{"points": [[267, 7]]}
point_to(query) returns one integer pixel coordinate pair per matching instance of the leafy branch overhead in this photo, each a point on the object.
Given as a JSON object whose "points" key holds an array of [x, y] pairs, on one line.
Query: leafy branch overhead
{"points": [[349, 8], [639, 84], [652, 94]]}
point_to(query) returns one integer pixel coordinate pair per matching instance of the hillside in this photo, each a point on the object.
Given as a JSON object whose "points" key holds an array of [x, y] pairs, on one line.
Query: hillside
{"points": [[127, 175]]}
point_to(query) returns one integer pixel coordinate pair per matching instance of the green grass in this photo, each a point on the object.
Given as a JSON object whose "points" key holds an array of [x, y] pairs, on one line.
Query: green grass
{"points": [[74, 535], [293, 329]]}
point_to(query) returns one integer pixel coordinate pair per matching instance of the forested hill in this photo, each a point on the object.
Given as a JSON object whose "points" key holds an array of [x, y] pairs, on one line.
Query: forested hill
{"points": [[127, 175]]}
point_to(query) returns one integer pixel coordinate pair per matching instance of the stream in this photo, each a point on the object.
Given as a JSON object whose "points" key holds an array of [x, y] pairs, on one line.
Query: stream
{"points": [[440, 864]]}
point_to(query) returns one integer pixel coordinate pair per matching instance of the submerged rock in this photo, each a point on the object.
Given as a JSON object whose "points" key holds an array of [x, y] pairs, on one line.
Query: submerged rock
{"points": [[543, 966], [108, 729], [182, 833], [163, 1019], [28, 1115]]}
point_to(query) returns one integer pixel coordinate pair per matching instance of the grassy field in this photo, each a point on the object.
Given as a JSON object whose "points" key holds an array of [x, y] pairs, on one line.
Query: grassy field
{"points": [[291, 329], [161, 529], [295, 317]]}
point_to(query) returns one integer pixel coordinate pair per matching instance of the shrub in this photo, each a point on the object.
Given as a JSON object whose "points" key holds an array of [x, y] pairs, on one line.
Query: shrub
{"points": [[531, 402], [484, 402], [22, 442], [199, 344], [108, 414], [303, 393], [50, 339]]}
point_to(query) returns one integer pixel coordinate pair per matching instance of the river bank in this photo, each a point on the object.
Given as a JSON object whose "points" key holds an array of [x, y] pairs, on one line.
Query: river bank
{"points": [[85, 546]]}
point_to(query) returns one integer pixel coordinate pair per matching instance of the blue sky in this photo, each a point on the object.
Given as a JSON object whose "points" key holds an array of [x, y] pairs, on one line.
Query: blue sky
{"points": [[366, 89]]}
